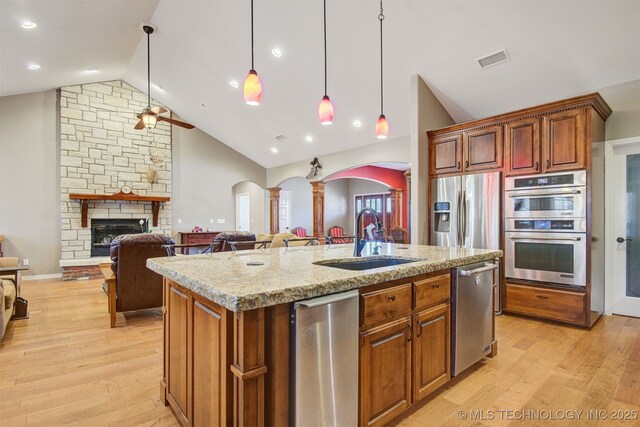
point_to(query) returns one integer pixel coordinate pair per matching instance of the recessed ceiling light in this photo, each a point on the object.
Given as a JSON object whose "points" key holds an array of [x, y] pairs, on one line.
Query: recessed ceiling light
{"points": [[234, 84], [276, 52], [33, 66], [28, 25], [308, 138], [356, 123], [91, 71], [274, 150]]}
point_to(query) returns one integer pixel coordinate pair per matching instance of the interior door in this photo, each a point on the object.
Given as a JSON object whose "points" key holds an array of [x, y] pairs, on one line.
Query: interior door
{"points": [[626, 255], [243, 209], [285, 212]]}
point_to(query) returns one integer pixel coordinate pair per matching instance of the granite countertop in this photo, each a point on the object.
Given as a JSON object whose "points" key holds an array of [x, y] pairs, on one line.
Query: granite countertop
{"points": [[289, 274]]}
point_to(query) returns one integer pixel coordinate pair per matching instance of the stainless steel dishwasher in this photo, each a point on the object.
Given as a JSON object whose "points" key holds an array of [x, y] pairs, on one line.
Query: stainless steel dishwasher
{"points": [[472, 307], [324, 361]]}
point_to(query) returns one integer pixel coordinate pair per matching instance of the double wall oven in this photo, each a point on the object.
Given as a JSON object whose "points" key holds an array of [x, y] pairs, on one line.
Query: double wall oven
{"points": [[546, 228]]}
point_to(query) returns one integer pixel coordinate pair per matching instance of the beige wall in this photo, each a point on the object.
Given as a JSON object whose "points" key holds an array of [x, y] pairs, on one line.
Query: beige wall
{"points": [[29, 180], [394, 150], [624, 100], [426, 114], [336, 205], [204, 173], [256, 205]]}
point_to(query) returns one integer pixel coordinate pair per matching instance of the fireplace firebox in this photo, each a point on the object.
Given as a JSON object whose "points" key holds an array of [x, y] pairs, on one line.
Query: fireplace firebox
{"points": [[103, 231]]}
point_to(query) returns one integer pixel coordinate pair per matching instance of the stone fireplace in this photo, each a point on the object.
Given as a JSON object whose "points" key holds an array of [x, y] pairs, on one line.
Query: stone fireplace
{"points": [[103, 231], [100, 153]]}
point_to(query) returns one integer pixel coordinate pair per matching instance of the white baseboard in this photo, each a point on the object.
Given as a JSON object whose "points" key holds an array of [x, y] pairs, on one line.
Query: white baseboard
{"points": [[41, 277]]}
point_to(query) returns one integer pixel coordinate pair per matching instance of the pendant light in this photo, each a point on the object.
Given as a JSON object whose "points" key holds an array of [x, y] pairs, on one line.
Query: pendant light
{"points": [[148, 119], [252, 85], [325, 109], [382, 126]]}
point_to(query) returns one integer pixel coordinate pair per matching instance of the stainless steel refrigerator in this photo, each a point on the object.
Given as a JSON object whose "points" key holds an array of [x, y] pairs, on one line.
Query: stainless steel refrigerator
{"points": [[465, 211]]}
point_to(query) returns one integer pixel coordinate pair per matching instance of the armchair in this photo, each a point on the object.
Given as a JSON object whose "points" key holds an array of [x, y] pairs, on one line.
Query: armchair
{"points": [[8, 293]]}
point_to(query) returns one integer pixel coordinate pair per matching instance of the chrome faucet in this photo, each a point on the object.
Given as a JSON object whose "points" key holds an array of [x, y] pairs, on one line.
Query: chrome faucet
{"points": [[359, 243]]}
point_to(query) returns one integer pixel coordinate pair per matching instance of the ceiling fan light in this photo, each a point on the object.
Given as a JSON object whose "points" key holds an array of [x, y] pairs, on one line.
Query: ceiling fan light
{"points": [[149, 120], [382, 127], [252, 88], [325, 111]]}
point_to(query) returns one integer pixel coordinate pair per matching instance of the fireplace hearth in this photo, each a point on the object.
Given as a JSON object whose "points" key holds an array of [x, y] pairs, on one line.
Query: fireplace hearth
{"points": [[103, 231]]}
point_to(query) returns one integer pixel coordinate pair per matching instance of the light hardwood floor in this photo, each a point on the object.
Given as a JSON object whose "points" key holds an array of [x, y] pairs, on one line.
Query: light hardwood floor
{"points": [[64, 366]]}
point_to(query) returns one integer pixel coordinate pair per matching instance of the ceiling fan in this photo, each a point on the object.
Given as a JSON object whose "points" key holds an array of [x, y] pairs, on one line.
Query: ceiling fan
{"points": [[151, 116]]}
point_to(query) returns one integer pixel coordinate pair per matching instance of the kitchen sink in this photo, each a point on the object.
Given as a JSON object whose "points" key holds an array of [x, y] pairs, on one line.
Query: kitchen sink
{"points": [[365, 263]]}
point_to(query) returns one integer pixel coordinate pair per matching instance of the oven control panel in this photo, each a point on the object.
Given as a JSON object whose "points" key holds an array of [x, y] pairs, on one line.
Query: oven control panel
{"points": [[577, 225]]}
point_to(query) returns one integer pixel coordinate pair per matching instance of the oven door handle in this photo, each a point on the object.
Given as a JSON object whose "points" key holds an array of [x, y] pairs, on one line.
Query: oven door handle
{"points": [[558, 193], [574, 239]]}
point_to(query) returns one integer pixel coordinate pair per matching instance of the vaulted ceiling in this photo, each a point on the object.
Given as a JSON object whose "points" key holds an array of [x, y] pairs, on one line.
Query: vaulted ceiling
{"points": [[557, 48]]}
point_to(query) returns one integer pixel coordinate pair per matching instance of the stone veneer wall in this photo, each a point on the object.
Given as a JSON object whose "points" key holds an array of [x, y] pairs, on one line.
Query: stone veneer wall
{"points": [[100, 152]]}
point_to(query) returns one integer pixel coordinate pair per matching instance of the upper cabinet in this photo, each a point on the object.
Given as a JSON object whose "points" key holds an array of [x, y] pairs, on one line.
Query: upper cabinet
{"points": [[563, 141], [552, 137], [522, 147], [446, 155], [483, 149]]}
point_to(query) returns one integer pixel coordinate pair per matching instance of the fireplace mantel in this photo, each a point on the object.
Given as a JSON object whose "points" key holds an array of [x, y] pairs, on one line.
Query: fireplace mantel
{"points": [[84, 200]]}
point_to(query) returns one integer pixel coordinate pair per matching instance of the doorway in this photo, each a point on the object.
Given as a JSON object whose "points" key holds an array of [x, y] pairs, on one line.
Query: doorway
{"points": [[243, 212], [285, 212], [623, 226]]}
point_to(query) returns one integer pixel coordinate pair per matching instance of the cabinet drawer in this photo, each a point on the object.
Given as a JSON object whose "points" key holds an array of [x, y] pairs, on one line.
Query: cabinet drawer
{"points": [[548, 303], [433, 291], [387, 304]]}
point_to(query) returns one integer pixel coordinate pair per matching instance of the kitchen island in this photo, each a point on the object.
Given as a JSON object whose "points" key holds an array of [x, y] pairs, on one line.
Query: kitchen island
{"points": [[226, 323]]}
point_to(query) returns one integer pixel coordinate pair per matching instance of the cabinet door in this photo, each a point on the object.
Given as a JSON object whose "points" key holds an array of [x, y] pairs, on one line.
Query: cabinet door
{"points": [[563, 145], [177, 352], [522, 147], [431, 350], [385, 372], [445, 154], [483, 149], [212, 379]]}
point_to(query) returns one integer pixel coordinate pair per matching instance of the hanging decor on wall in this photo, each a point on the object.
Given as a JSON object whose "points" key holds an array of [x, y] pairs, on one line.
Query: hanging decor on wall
{"points": [[151, 116], [382, 126], [315, 166], [325, 109], [252, 84]]}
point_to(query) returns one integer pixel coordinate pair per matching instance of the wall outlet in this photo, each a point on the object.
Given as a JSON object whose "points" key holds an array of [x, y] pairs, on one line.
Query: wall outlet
{"points": [[220, 221], [25, 262], [211, 221], [179, 220]]}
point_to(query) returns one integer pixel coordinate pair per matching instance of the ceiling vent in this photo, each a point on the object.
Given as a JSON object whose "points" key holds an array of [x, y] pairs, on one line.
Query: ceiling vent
{"points": [[492, 59], [280, 138]]}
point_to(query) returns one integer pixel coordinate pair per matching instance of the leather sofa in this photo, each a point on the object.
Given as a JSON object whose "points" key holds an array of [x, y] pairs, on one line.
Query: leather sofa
{"points": [[8, 293], [137, 287], [225, 237]]}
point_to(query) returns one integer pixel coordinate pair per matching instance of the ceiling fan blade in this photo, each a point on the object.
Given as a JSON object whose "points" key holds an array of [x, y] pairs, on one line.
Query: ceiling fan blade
{"points": [[139, 125], [176, 122], [158, 110]]}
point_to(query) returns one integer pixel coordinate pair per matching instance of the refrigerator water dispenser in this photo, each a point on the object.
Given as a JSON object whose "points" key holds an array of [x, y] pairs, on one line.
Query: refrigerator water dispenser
{"points": [[442, 217]]}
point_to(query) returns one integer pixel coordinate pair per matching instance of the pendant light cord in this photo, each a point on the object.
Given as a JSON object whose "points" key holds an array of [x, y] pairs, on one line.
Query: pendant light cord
{"points": [[381, 18], [148, 73], [252, 67], [325, 46]]}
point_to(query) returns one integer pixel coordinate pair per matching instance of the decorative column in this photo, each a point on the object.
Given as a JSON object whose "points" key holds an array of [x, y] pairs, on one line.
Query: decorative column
{"points": [[274, 209], [318, 208], [407, 175], [396, 207]]}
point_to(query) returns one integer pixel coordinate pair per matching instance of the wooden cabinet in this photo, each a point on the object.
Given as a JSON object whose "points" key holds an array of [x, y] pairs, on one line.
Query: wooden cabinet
{"points": [[404, 345], [197, 376], [483, 149], [177, 362], [431, 350], [522, 147], [203, 238], [445, 155], [385, 372], [554, 304], [563, 142]]}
